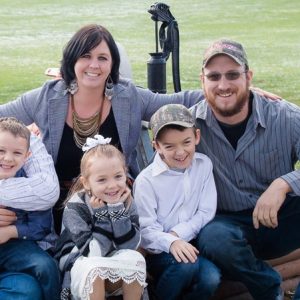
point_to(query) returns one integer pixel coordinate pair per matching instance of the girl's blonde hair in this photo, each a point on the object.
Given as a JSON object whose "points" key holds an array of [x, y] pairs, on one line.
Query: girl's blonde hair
{"points": [[105, 150]]}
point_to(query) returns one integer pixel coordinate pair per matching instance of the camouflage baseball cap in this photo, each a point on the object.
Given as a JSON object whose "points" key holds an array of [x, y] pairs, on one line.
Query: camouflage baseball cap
{"points": [[231, 48], [176, 114]]}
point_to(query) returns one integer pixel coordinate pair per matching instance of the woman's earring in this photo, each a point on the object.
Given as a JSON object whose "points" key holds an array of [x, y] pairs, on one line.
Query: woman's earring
{"points": [[109, 88], [73, 87], [89, 193]]}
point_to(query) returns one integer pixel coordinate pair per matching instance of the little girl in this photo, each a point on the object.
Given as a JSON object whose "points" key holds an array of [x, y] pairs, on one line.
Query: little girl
{"points": [[96, 249]]}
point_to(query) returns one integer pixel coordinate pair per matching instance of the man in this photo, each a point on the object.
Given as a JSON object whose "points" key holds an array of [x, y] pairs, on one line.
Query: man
{"points": [[253, 143]]}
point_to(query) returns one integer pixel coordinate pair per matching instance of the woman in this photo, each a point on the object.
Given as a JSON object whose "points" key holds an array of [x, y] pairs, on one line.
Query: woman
{"points": [[90, 98]]}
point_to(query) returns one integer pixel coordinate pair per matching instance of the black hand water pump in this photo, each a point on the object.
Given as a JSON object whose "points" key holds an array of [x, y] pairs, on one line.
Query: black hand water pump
{"points": [[168, 39]]}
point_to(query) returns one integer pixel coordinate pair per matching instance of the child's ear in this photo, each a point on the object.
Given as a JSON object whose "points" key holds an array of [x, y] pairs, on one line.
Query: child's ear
{"points": [[201, 78], [85, 183], [156, 146], [28, 154], [198, 136]]}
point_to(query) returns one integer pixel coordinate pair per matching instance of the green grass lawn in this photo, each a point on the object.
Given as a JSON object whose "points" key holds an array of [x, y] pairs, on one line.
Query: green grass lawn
{"points": [[33, 33]]}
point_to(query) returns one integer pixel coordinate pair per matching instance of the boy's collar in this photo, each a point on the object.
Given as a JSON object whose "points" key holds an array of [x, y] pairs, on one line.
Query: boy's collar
{"points": [[159, 166]]}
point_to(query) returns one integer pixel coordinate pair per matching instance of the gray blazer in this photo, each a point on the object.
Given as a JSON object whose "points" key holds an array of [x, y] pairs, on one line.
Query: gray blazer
{"points": [[47, 106]]}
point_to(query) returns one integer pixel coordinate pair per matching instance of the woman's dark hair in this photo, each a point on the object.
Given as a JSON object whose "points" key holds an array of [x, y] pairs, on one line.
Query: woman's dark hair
{"points": [[83, 41]]}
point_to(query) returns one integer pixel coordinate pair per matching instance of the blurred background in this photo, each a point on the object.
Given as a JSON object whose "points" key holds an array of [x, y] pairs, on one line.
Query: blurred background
{"points": [[34, 32]]}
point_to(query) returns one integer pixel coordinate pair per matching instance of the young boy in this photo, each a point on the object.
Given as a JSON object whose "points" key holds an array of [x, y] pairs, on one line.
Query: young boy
{"points": [[19, 251], [176, 197]]}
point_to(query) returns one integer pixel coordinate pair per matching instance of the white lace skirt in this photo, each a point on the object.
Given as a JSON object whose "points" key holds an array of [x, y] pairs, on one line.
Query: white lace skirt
{"points": [[127, 265]]}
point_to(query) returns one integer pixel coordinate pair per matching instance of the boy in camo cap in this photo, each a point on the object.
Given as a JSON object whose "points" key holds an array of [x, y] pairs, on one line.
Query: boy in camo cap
{"points": [[176, 197]]}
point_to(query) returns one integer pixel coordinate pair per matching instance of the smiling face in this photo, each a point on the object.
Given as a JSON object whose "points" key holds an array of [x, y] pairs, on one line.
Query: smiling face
{"points": [[93, 68], [227, 98], [176, 147], [106, 178], [13, 154]]}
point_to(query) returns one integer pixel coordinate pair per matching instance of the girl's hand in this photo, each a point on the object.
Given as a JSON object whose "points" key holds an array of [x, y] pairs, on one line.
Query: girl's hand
{"points": [[126, 195], [96, 202], [126, 198]]}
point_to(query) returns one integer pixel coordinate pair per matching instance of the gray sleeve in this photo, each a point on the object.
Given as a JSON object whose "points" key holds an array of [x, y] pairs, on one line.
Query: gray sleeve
{"points": [[75, 220], [23, 108], [153, 101], [125, 226], [293, 177]]}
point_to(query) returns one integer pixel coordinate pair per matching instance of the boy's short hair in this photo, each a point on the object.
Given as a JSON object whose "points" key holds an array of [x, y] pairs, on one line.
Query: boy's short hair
{"points": [[16, 128], [171, 114]]}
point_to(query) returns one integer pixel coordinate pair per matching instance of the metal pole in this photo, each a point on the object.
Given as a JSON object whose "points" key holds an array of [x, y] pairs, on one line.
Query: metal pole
{"points": [[156, 36]]}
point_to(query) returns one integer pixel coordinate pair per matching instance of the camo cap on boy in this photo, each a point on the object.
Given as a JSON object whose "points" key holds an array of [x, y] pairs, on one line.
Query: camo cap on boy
{"points": [[176, 114]]}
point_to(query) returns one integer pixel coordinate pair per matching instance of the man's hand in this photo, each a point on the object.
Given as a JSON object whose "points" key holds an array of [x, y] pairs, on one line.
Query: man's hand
{"points": [[183, 251], [269, 203], [7, 217], [265, 93], [7, 233]]}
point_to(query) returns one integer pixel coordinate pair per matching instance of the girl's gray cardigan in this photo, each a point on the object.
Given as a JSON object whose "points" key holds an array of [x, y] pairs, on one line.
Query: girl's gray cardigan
{"points": [[113, 227]]}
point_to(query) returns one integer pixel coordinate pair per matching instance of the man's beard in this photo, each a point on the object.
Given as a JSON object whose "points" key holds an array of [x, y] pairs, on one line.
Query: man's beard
{"points": [[242, 99]]}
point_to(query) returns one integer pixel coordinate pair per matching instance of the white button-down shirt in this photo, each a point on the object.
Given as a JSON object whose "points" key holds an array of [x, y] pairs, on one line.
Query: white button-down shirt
{"points": [[40, 189], [169, 200]]}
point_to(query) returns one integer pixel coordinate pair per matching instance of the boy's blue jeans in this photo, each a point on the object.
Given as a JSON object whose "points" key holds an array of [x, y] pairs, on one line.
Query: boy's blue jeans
{"points": [[21, 256], [174, 281], [19, 286], [238, 249], [297, 293]]}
